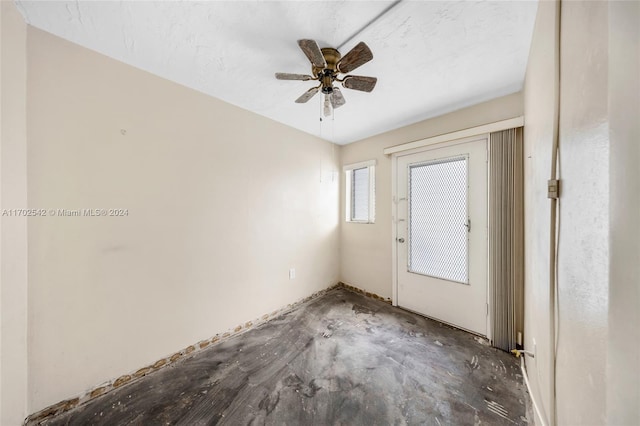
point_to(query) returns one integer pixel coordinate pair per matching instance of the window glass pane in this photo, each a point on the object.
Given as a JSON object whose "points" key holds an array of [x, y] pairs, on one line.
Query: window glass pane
{"points": [[438, 236], [360, 194]]}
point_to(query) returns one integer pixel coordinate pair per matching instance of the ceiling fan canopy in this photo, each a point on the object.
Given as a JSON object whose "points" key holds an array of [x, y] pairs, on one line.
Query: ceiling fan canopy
{"points": [[326, 66]]}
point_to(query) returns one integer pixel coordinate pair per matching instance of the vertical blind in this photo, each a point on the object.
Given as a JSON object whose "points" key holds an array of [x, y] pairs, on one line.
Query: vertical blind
{"points": [[506, 236]]}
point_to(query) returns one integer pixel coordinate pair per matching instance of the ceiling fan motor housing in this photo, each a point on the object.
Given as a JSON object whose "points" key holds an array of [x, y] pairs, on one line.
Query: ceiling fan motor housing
{"points": [[328, 74], [331, 57]]}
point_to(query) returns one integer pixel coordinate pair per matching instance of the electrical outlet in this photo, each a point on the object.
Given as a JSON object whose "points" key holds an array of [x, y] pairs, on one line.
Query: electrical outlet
{"points": [[292, 273]]}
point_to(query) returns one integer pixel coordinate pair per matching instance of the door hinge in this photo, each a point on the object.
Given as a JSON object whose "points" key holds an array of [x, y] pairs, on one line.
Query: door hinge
{"points": [[487, 309], [468, 225]]}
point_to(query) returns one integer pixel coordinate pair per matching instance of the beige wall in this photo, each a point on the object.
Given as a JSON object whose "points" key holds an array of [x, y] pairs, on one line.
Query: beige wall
{"points": [[583, 274], [598, 195], [221, 203], [366, 248], [13, 230], [539, 109], [623, 356]]}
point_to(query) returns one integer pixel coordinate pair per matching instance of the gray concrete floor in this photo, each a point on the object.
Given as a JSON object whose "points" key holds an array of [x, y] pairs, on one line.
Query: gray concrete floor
{"points": [[341, 359]]}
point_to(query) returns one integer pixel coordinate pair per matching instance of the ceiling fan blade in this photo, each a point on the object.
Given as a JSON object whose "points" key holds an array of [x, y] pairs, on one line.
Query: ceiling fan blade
{"points": [[359, 55], [288, 76], [313, 52], [356, 82], [307, 95], [337, 100]]}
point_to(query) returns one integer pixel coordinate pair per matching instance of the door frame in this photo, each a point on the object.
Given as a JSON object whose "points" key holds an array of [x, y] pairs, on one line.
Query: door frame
{"points": [[394, 214]]}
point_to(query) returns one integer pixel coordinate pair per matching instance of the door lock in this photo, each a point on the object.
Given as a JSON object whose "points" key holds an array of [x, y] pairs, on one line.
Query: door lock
{"points": [[400, 240]]}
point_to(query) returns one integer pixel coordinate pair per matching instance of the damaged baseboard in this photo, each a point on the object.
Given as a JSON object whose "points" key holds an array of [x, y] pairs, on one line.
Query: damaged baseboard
{"points": [[97, 391], [363, 292]]}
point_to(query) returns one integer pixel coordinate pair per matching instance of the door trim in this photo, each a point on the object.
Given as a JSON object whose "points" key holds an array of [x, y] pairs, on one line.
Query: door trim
{"points": [[460, 134], [394, 214]]}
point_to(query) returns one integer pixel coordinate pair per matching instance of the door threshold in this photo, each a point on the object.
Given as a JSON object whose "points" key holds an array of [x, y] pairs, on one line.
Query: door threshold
{"points": [[457, 327]]}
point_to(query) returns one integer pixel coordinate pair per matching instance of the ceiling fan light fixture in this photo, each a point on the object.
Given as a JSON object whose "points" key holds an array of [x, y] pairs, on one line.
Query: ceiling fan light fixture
{"points": [[326, 64], [327, 105]]}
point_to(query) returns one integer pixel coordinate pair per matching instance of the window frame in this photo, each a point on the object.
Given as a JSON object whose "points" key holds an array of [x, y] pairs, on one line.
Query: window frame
{"points": [[348, 174]]}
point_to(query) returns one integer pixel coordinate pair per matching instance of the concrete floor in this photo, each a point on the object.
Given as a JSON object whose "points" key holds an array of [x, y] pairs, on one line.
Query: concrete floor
{"points": [[339, 359]]}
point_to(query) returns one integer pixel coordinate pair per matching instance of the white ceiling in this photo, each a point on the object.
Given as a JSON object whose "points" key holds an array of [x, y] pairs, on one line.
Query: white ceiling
{"points": [[430, 57]]}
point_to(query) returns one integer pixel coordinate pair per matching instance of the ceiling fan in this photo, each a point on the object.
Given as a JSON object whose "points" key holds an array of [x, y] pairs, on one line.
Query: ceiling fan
{"points": [[326, 65]]}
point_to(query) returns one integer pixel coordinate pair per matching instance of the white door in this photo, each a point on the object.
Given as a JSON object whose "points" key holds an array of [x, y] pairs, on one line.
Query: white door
{"points": [[441, 233]]}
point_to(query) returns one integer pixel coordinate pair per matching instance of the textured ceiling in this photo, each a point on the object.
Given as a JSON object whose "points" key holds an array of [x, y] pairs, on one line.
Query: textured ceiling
{"points": [[430, 57]]}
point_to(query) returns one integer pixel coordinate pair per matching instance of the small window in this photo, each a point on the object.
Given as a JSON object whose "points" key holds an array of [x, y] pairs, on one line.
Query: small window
{"points": [[360, 181]]}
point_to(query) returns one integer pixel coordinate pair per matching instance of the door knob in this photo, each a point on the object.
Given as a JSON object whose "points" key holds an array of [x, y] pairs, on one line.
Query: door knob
{"points": [[400, 240]]}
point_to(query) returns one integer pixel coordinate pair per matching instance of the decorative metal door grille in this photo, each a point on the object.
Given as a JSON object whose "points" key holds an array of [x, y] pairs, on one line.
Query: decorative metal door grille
{"points": [[438, 219]]}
